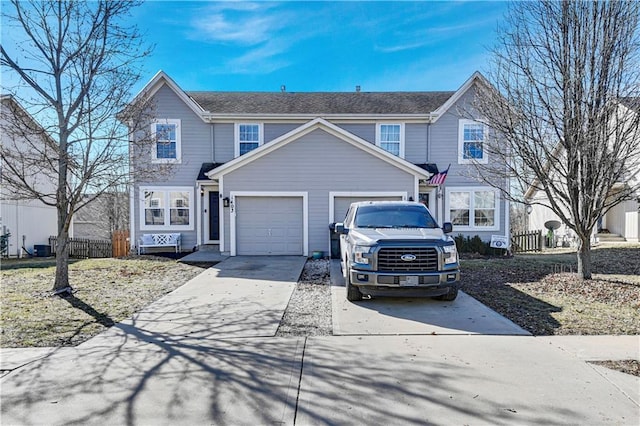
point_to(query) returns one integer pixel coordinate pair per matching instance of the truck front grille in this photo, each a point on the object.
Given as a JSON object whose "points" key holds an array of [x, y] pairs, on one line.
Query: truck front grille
{"points": [[390, 259]]}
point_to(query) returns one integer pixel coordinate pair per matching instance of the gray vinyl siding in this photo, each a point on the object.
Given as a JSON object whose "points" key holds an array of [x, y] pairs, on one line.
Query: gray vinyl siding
{"points": [[415, 143], [366, 131], [275, 130], [223, 134], [317, 163]]}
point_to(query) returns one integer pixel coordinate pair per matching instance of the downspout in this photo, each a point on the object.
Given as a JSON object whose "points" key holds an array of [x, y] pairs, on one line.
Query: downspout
{"points": [[428, 142], [213, 145]]}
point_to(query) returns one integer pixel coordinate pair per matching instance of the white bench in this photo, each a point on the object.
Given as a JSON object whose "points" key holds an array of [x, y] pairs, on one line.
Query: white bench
{"points": [[159, 240]]}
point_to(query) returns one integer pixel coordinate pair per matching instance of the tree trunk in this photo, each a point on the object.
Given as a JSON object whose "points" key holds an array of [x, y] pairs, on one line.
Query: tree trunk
{"points": [[61, 284], [584, 258]]}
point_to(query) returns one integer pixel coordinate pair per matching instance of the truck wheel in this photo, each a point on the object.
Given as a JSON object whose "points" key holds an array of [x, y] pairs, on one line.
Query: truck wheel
{"points": [[353, 294], [448, 297]]}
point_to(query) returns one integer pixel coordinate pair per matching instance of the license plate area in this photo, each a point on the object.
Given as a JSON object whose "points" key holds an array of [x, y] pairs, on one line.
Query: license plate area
{"points": [[410, 280]]}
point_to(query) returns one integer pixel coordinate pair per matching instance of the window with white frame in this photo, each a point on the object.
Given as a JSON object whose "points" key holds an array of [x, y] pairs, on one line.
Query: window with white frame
{"points": [[390, 137], [248, 137], [472, 140], [472, 208], [167, 147], [166, 208]]}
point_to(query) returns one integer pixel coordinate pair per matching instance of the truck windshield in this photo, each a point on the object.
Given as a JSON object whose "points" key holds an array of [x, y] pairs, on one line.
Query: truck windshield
{"points": [[394, 216]]}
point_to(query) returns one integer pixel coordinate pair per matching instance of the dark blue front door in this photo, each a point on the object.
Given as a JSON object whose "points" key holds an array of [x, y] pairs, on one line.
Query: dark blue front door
{"points": [[214, 215]]}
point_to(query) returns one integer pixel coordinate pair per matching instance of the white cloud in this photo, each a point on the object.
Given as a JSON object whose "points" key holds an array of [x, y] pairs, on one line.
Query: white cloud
{"points": [[236, 22]]}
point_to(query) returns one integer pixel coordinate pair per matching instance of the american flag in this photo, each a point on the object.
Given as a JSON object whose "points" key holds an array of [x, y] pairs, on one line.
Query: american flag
{"points": [[438, 178]]}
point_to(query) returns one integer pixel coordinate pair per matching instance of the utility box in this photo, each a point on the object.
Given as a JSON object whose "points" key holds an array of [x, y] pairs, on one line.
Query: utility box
{"points": [[41, 250]]}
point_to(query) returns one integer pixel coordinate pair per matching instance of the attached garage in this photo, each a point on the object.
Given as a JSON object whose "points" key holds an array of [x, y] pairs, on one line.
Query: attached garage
{"points": [[269, 224], [339, 202]]}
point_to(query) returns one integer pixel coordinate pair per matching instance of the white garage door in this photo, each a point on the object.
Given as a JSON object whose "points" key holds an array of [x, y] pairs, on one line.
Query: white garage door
{"points": [[269, 225], [341, 204]]}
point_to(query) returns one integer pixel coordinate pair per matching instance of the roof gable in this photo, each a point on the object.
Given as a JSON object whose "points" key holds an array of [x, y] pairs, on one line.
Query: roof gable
{"points": [[156, 83], [307, 128], [476, 78]]}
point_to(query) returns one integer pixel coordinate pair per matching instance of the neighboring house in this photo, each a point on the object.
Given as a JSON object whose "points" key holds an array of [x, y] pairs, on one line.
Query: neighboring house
{"points": [[103, 215], [621, 223], [266, 173], [30, 222]]}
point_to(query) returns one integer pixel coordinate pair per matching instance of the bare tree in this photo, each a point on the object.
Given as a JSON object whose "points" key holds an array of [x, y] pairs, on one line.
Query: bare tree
{"points": [[76, 63], [563, 75]]}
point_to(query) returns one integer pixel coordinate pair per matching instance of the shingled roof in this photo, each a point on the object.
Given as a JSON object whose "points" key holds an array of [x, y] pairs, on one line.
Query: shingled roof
{"points": [[320, 102]]}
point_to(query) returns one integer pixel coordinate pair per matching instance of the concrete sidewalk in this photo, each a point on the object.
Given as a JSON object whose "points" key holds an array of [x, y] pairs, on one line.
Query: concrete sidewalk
{"points": [[472, 379]]}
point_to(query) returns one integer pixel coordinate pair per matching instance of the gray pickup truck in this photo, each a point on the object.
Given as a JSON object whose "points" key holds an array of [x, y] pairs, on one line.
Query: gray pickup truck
{"points": [[396, 248]]}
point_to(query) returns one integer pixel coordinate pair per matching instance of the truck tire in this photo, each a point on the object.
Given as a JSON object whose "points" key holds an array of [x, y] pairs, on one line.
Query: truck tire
{"points": [[448, 297], [353, 293]]}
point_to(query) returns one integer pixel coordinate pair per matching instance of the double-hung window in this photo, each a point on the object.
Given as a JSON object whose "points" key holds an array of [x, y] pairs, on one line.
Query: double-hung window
{"points": [[472, 208], [166, 208], [167, 143], [472, 141], [390, 137], [248, 137]]}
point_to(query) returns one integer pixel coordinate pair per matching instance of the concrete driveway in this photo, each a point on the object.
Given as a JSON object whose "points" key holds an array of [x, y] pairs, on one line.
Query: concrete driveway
{"points": [[393, 316], [178, 361]]}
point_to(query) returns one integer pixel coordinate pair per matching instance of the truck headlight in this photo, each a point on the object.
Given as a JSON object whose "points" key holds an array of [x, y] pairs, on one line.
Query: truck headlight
{"points": [[450, 254], [361, 254]]}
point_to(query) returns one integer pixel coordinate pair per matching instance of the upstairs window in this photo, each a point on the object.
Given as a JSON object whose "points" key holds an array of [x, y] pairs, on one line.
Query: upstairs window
{"points": [[390, 137], [471, 143], [248, 137], [166, 135]]}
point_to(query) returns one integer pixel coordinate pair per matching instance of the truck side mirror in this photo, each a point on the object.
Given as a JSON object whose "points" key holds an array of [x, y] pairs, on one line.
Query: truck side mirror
{"points": [[340, 229], [447, 227]]}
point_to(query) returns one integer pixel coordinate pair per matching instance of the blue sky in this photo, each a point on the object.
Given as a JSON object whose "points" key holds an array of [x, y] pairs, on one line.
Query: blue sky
{"points": [[319, 46]]}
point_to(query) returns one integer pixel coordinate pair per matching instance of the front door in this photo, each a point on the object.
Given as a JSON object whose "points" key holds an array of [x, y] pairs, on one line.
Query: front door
{"points": [[214, 216]]}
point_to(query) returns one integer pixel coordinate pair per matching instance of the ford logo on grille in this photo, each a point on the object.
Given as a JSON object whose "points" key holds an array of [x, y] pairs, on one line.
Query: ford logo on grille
{"points": [[408, 257]]}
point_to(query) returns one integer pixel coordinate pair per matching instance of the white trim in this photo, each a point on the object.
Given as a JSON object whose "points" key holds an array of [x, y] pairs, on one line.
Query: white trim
{"points": [[507, 213], [303, 118], [166, 207], [305, 214], [432, 191], [471, 189], [154, 150], [378, 133], [307, 128], [221, 207], [236, 136], [132, 218], [200, 215], [461, 160], [334, 194]]}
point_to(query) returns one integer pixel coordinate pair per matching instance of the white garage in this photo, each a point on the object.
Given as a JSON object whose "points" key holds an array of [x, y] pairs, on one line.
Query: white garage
{"points": [[269, 225], [339, 202]]}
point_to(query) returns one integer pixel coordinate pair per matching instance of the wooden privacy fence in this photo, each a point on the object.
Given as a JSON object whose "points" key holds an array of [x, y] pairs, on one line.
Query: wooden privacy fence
{"points": [[120, 243], [526, 241], [82, 248]]}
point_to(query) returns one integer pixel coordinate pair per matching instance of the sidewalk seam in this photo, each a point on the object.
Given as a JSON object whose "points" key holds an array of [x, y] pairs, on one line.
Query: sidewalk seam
{"points": [[304, 348]]}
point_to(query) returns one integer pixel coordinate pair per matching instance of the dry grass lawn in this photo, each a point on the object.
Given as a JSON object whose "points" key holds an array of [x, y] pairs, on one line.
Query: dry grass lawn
{"points": [[541, 292], [106, 291]]}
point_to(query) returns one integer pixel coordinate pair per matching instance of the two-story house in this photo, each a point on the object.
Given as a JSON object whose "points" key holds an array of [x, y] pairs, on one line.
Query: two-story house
{"points": [[28, 221], [266, 173]]}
